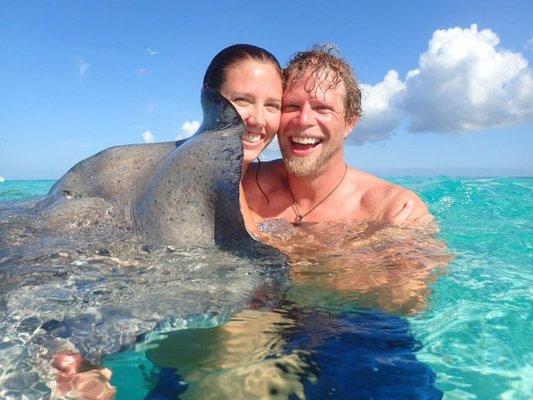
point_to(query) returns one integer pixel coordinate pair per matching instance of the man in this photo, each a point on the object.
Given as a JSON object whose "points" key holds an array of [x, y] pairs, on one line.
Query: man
{"points": [[320, 107]]}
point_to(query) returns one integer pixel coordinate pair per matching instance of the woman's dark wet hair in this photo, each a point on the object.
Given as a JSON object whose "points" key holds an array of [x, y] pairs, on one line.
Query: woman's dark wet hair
{"points": [[215, 75]]}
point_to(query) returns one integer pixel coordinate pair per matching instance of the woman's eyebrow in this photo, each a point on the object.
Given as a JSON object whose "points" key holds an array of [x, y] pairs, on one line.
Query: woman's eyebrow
{"points": [[241, 94]]}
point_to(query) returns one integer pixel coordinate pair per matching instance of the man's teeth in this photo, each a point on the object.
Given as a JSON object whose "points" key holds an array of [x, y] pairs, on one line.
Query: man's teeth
{"points": [[306, 140], [250, 137]]}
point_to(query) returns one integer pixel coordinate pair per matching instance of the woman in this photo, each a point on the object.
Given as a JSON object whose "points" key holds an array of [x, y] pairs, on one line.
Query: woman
{"points": [[250, 78]]}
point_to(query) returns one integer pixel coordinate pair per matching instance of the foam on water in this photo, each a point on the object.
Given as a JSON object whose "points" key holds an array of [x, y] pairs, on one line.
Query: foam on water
{"points": [[97, 309]]}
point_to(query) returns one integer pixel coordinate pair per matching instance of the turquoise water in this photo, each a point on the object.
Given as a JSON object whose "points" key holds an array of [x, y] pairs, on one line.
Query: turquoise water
{"points": [[19, 190], [476, 329]]}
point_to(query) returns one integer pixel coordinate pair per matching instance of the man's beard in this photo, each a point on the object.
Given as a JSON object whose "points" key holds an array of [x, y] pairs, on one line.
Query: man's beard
{"points": [[305, 166]]}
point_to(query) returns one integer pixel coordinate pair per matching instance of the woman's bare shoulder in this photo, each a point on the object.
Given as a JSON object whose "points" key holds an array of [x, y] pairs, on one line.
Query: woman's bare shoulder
{"points": [[270, 173]]}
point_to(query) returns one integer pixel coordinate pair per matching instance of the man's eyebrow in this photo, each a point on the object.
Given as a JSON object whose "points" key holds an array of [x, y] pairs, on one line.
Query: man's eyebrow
{"points": [[317, 100], [286, 102], [287, 98]]}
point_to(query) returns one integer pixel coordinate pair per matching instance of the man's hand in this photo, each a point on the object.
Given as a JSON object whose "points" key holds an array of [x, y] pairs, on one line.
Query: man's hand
{"points": [[407, 208], [403, 214]]}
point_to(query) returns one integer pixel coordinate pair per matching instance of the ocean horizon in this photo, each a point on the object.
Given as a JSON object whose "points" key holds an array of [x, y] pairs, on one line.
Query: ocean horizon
{"points": [[20, 189]]}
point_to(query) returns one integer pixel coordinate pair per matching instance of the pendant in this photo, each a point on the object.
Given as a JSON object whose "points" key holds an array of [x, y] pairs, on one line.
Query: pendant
{"points": [[297, 216]]}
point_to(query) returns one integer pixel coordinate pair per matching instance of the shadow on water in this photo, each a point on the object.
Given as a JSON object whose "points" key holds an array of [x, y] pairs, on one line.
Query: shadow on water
{"points": [[337, 333]]}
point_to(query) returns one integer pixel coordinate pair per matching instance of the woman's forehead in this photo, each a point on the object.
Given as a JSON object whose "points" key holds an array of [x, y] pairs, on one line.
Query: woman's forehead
{"points": [[253, 77]]}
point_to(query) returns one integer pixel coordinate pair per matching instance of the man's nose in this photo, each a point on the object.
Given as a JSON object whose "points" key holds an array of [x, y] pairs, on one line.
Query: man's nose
{"points": [[305, 116]]}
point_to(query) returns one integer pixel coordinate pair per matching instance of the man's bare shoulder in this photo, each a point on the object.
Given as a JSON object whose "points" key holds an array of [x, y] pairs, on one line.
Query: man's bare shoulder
{"points": [[388, 202]]}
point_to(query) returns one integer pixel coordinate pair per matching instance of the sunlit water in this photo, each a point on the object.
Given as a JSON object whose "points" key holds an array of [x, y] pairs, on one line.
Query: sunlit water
{"points": [[465, 319]]}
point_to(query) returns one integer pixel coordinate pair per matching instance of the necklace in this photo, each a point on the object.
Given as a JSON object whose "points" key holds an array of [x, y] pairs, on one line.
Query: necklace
{"points": [[299, 217]]}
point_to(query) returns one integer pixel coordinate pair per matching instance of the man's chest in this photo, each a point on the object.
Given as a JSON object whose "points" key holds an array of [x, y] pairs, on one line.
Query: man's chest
{"points": [[348, 209]]}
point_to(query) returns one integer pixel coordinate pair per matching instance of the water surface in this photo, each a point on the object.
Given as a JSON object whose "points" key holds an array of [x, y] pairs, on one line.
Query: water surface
{"points": [[469, 321]]}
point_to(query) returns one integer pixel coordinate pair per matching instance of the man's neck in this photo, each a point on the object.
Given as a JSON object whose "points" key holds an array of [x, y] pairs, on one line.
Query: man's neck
{"points": [[312, 188]]}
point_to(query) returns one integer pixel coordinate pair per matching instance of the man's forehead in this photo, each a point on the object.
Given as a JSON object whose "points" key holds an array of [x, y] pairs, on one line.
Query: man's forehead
{"points": [[317, 83]]}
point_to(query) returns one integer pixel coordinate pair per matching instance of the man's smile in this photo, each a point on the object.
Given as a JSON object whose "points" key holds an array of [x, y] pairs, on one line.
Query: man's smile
{"points": [[304, 145]]}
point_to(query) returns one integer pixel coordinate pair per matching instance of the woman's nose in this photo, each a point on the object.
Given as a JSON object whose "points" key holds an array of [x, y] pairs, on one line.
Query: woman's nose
{"points": [[256, 117]]}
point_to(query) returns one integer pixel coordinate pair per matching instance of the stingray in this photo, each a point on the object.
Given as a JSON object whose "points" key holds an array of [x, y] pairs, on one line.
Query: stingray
{"points": [[185, 192], [174, 193]]}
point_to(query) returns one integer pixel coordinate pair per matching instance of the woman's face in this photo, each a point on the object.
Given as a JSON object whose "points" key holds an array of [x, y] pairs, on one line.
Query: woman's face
{"points": [[254, 88]]}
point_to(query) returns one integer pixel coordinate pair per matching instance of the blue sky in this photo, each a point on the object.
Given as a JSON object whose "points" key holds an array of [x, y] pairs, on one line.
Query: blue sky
{"points": [[443, 96]]}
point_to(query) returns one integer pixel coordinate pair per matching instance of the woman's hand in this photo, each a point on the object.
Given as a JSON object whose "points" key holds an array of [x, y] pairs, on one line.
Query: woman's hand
{"points": [[79, 378]]}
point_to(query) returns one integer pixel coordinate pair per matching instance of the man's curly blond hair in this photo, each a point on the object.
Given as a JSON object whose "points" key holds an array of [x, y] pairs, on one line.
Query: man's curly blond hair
{"points": [[325, 66]]}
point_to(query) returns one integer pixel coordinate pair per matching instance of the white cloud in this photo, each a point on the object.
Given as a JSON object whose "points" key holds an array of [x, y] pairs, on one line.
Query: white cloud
{"points": [[142, 72], [150, 107], [151, 52], [529, 44], [148, 137], [190, 127], [381, 114], [83, 66], [463, 83], [187, 129]]}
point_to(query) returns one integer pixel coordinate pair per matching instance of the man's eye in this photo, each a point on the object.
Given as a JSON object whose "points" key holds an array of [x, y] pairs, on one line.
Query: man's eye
{"points": [[274, 107], [322, 109], [289, 108]]}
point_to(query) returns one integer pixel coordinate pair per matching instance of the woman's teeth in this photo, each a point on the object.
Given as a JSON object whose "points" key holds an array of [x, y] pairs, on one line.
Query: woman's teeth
{"points": [[251, 137]]}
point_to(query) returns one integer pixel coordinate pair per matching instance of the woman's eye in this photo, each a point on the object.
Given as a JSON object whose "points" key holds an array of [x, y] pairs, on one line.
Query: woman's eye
{"points": [[273, 107], [240, 100]]}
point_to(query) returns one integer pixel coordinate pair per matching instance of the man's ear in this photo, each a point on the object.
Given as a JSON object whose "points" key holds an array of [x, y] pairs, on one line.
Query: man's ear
{"points": [[349, 127]]}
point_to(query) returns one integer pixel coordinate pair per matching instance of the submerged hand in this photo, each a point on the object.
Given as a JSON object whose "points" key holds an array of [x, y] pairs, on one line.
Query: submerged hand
{"points": [[74, 379]]}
